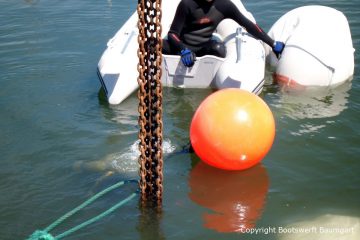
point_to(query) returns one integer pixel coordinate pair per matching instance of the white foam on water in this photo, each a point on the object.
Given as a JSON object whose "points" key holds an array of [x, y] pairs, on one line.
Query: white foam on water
{"points": [[307, 129], [123, 162], [127, 161]]}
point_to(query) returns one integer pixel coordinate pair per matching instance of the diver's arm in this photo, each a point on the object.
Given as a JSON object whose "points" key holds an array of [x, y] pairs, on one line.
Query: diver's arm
{"points": [[177, 26], [231, 11]]}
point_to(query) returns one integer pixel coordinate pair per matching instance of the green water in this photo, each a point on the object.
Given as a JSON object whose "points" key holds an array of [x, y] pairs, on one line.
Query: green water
{"points": [[59, 138]]}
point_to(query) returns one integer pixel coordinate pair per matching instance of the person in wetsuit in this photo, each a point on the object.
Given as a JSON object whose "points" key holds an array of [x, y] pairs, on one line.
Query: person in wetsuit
{"points": [[190, 34]]}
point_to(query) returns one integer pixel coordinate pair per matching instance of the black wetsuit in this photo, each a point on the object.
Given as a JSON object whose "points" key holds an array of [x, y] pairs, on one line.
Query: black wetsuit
{"points": [[196, 20]]}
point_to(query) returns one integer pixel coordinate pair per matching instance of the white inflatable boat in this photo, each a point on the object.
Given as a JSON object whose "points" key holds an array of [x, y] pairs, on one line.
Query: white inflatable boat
{"points": [[243, 67], [318, 51]]}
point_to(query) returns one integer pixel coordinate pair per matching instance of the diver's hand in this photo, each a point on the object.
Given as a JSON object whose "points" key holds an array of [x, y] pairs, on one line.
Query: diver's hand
{"points": [[278, 48], [188, 58]]}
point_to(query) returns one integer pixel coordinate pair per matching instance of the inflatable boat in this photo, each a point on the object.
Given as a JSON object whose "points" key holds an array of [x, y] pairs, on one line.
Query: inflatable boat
{"points": [[243, 67], [318, 51]]}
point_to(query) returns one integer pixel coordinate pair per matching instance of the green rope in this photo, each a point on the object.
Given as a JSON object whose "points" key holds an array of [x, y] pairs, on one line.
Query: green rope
{"points": [[98, 217], [45, 235]]}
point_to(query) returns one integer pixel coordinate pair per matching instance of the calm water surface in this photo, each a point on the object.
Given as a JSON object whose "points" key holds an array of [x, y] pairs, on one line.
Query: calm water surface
{"points": [[59, 138]]}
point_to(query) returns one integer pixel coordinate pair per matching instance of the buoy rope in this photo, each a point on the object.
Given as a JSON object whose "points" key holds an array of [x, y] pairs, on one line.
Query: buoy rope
{"points": [[45, 235], [311, 54]]}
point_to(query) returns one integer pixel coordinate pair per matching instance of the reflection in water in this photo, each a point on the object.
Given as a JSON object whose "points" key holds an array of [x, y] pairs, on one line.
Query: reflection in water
{"points": [[315, 103], [236, 198], [125, 113], [149, 226], [31, 1]]}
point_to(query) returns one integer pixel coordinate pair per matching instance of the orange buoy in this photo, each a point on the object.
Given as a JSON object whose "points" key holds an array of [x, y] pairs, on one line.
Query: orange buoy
{"points": [[232, 129]]}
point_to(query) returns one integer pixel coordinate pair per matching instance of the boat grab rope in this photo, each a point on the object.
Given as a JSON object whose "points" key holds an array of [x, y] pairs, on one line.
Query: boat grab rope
{"points": [[150, 100], [45, 235]]}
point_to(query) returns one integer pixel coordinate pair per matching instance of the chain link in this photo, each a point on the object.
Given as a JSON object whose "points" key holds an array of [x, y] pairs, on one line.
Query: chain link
{"points": [[150, 99]]}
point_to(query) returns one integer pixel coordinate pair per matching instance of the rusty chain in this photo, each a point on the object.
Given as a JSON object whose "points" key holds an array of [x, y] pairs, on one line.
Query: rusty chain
{"points": [[150, 99]]}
